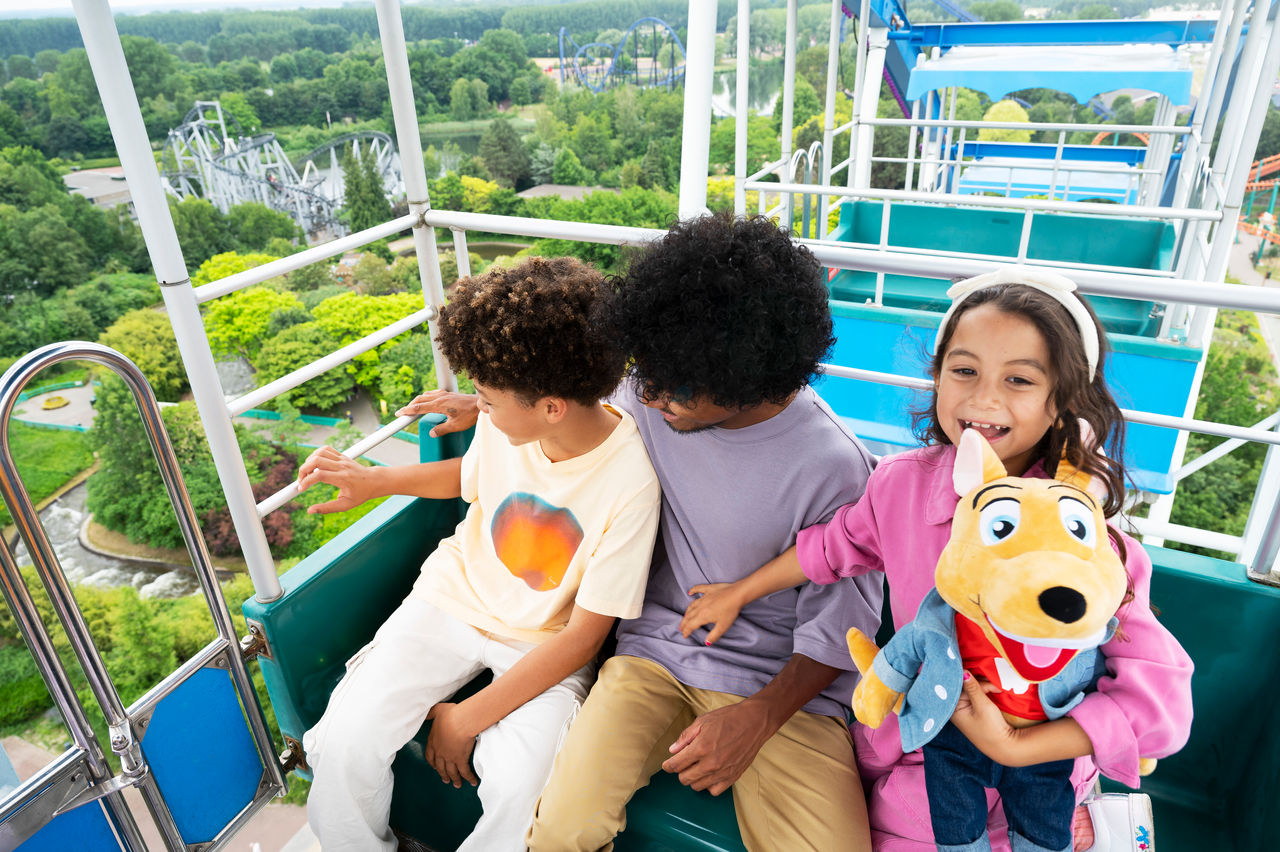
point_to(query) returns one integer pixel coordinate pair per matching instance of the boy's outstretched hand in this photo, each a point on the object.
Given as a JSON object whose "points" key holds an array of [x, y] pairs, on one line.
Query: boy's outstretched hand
{"points": [[331, 467], [459, 409], [718, 606]]}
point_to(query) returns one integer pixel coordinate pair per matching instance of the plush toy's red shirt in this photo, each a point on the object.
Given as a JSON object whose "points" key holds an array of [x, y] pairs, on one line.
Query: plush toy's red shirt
{"points": [[979, 658]]}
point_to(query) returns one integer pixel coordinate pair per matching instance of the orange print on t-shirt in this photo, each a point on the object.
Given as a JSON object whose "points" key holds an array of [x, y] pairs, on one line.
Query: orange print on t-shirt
{"points": [[535, 540]]}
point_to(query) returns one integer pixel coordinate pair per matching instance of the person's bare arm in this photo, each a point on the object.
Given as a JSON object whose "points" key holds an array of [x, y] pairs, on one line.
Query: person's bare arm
{"points": [[459, 409], [718, 604], [356, 483], [713, 752], [978, 718], [455, 726]]}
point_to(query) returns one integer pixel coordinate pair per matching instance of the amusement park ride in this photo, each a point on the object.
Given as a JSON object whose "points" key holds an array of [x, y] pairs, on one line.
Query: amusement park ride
{"points": [[208, 157], [1145, 231]]}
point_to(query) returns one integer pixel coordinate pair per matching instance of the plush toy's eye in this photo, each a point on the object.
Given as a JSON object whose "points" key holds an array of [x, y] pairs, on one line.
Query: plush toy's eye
{"points": [[999, 519], [1077, 519]]}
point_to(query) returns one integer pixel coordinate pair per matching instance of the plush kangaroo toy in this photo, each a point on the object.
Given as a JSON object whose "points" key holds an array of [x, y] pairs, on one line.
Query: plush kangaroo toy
{"points": [[1025, 591]]}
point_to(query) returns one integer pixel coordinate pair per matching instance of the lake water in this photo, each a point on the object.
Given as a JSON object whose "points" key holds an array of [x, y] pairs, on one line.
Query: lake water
{"points": [[62, 520], [763, 90]]}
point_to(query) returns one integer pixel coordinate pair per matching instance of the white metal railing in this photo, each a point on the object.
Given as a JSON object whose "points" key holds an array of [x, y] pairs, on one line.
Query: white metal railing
{"points": [[106, 57]]}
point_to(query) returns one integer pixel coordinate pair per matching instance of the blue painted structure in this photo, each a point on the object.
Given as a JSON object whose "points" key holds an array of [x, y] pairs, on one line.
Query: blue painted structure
{"points": [[1004, 33], [205, 788], [85, 829]]}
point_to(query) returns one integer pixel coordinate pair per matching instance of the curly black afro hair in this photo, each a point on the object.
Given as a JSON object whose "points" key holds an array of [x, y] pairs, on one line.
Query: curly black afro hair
{"points": [[730, 309], [535, 330]]}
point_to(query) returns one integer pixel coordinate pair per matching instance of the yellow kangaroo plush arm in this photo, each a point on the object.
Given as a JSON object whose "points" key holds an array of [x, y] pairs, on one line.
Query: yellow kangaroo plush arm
{"points": [[872, 700]]}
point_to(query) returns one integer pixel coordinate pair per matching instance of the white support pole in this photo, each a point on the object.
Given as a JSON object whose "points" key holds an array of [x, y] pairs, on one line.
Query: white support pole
{"points": [[788, 106], [878, 42], [124, 116], [1244, 125], [396, 58], [740, 118], [1213, 90], [695, 140], [859, 83], [829, 113], [1247, 84]]}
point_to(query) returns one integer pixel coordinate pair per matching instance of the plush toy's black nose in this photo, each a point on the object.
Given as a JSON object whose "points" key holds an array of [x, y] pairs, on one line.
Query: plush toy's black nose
{"points": [[1064, 604]]}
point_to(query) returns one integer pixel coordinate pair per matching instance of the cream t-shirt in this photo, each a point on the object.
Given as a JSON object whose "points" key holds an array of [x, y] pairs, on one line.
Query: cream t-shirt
{"points": [[541, 536]]}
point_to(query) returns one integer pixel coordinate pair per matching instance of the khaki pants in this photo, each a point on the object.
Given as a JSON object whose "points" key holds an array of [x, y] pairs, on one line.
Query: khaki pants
{"points": [[801, 792]]}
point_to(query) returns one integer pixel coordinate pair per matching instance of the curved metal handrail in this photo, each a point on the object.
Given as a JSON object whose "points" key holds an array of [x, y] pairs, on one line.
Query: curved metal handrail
{"points": [[124, 742]]}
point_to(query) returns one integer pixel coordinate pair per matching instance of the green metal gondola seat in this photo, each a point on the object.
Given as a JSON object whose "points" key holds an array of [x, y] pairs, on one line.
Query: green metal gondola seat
{"points": [[336, 598]]}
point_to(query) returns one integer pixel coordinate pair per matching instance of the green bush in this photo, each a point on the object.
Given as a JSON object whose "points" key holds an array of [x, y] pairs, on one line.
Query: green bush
{"points": [[22, 691]]}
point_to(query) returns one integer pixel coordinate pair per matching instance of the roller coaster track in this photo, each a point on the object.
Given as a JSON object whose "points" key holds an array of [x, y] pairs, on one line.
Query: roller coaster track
{"points": [[207, 157], [589, 68]]}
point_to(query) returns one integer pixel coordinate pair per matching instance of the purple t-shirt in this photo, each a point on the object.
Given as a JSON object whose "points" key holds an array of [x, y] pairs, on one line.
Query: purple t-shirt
{"points": [[732, 499]]}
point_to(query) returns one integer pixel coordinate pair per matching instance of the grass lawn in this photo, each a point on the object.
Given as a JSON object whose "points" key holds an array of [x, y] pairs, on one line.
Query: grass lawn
{"points": [[437, 129], [46, 458]]}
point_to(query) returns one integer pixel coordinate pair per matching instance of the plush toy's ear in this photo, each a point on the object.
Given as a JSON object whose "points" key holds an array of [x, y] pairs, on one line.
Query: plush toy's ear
{"points": [[1069, 473], [976, 463]]}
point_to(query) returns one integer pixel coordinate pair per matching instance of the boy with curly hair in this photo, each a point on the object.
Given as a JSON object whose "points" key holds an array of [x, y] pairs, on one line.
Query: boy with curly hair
{"points": [[554, 547]]}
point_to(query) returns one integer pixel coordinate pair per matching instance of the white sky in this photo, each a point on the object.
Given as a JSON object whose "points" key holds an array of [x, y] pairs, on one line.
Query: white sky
{"points": [[51, 8]]}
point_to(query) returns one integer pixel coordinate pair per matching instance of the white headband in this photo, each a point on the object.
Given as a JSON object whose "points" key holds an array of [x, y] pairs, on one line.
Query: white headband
{"points": [[1051, 284]]}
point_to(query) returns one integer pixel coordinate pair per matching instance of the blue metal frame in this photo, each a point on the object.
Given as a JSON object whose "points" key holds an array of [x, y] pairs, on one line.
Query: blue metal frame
{"points": [[1004, 33], [1126, 154]]}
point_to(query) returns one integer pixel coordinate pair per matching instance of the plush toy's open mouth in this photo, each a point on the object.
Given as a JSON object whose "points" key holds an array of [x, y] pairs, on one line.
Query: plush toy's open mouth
{"points": [[1040, 659]]}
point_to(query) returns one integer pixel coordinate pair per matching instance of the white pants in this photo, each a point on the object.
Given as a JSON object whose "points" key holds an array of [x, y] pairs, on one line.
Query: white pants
{"points": [[419, 657]]}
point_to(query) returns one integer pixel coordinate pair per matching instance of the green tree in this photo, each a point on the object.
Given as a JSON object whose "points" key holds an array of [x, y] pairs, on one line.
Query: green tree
{"points": [[655, 168], [350, 316], [229, 263], [364, 198], [1006, 111], [146, 338], [296, 347], [310, 277], [461, 103], [406, 370], [1095, 12], [568, 169], [21, 65], [372, 275], [290, 430], [202, 229], [479, 96], [142, 651], [47, 61], [996, 10], [503, 153], [237, 324], [805, 106], [253, 225]]}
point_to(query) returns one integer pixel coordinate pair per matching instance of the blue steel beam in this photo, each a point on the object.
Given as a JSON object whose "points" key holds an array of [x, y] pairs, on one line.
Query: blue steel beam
{"points": [[1172, 33], [1128, 155]]}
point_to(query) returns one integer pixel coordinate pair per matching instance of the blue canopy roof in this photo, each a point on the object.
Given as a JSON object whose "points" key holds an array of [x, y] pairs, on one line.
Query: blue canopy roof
{"points": [[1081, 71]]}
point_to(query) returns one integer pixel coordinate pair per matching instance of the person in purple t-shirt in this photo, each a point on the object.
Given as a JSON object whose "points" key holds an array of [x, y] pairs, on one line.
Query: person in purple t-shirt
{"points": [[726, 322]]}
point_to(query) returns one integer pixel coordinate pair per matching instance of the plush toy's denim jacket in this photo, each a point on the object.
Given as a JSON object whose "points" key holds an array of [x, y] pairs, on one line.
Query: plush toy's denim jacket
{"points": [[923, 661]]}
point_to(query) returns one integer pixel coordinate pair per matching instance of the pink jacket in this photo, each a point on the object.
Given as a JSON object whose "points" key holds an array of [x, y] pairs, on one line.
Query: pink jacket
{"points": [[1143, 709]]}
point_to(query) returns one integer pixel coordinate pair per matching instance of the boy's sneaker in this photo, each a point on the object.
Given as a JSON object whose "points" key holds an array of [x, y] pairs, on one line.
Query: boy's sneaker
{"points": [[1122, 822]]}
